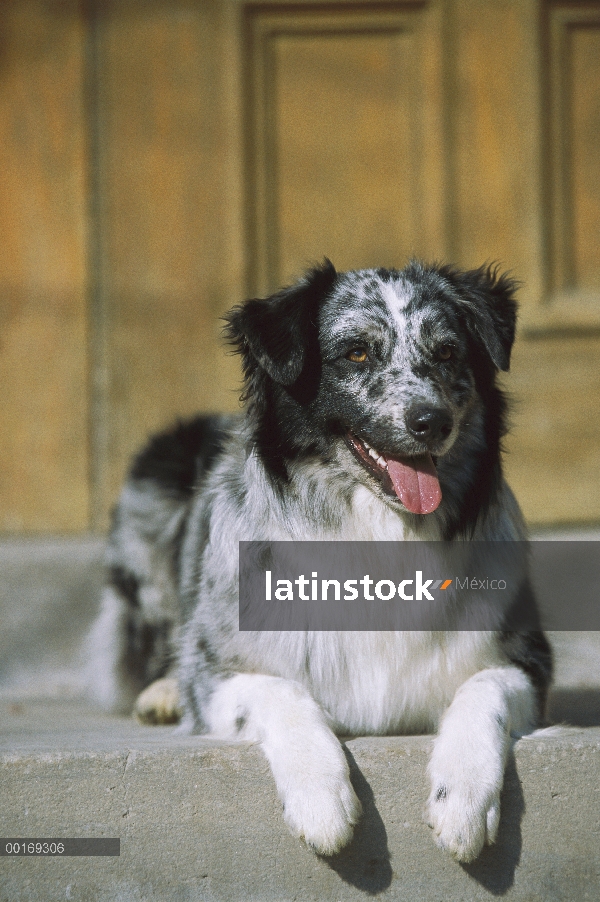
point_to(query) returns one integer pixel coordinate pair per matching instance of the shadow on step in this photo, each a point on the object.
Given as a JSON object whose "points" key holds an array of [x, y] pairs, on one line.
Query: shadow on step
{"points": [[495, 868], [365, 863]]}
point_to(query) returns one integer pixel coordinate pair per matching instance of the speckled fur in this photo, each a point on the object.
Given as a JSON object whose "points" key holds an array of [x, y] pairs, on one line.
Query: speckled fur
{"points": [[284, 470]]}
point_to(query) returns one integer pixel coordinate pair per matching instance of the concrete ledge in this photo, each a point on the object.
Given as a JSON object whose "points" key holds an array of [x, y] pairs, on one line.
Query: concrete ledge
{"points": [[49, 592], [200, 819]]}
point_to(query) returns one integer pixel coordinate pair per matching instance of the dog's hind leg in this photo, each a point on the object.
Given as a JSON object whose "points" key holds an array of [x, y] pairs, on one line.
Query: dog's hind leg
{"points": [[110, 679], [127, 649], [308, 763], [469, 757]]}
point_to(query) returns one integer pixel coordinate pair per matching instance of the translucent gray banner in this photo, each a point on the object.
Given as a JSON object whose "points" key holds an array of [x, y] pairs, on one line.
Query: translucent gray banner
{"points": [[60, 848], [419, 585]]}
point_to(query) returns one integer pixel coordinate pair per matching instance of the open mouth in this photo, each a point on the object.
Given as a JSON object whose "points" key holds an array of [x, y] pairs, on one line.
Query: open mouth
{"points": [[413, 480]]}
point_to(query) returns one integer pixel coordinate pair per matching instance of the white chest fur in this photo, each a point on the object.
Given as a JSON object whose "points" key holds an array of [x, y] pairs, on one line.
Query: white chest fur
{"points": [[379, 682]]}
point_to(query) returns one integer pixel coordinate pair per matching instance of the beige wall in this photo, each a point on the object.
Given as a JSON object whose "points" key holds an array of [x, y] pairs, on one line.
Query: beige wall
{"points": [[161, 160]]}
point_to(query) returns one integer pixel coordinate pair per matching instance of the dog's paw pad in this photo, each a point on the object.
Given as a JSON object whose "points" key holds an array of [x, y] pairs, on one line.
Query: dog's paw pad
{"points": [[159, 703], [323, 816]]}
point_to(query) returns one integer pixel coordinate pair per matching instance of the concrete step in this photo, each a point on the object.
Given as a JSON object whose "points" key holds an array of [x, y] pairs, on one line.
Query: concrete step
{"points": [[49, 593], [200, 819]]}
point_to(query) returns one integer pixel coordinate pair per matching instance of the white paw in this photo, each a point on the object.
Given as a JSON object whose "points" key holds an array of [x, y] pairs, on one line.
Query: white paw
{"points": [[159, 703], [322, 811], [463, 817]]}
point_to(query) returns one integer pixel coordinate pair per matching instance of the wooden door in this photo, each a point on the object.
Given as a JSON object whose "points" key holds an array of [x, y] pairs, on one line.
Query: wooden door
{"points": [[161, 160]]}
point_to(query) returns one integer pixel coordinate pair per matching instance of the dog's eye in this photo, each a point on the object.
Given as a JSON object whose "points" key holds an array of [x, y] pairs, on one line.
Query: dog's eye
{"points": [[444, 352], [357, 355]]}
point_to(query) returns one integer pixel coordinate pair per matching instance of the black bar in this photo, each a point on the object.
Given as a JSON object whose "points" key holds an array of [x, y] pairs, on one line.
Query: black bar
{"points": [[58, 848]]}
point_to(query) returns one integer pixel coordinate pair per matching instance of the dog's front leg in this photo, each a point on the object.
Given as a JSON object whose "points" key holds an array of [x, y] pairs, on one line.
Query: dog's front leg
{"points": [[469, 756], [309, 766]]}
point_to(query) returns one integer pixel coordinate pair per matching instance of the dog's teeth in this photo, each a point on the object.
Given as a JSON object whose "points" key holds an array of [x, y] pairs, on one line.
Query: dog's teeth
{"points": [[382, 461], [373, 453], [367, 445]]}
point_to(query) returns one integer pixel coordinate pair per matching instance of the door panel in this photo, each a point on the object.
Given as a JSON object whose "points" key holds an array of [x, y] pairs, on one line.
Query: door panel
{"points": [[164, 260], [554, 458], [585, 155], [346, 140], [574, 127], [43, 352]]}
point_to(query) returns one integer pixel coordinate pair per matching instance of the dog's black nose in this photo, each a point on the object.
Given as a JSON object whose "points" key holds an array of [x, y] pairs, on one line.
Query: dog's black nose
{"points": [[429, 424]]}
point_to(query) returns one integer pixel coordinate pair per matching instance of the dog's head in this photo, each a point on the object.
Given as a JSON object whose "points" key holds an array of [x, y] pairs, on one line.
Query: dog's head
{"points": [[388, 373]]}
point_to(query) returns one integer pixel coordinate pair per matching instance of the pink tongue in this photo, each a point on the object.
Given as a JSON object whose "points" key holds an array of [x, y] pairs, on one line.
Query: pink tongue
{"points": [[416, 483]]}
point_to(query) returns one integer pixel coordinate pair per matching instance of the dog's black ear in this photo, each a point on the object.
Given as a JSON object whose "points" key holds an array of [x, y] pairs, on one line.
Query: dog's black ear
{"points": [[487, 300], [276, 331]]}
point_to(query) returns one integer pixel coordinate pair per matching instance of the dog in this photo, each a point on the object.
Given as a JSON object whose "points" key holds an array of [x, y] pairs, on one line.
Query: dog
{"points": [[371, 413]]}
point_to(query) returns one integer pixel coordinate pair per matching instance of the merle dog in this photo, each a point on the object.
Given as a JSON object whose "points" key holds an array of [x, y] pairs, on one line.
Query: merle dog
{"points": [[371, 413]]}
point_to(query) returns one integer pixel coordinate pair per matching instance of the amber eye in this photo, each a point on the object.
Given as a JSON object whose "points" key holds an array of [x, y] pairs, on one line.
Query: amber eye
{"points": [[357, 355], [444, 352]]}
